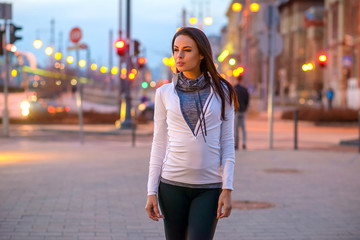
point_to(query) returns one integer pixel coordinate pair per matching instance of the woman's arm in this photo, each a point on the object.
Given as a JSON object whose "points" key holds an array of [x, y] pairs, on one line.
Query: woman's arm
{"points": [[159, 144], [227, 147], [228, 161]]}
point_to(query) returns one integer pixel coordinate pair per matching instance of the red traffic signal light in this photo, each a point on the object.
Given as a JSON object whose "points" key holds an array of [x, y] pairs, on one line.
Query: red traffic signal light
{"points": [[141, 61], [121, 47], [322, 60]]}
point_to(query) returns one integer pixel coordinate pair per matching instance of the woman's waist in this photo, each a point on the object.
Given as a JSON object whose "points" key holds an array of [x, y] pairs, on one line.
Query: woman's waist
{"points": [[190, 185]]}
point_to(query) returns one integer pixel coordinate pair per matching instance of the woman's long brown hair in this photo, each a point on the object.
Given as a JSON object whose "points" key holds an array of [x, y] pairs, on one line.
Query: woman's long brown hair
{"points": [[207, 66]]}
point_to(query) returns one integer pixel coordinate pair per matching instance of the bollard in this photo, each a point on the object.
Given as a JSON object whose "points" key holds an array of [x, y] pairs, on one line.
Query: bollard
{"points": [[296, 129], [359, 131], [133, 133]]}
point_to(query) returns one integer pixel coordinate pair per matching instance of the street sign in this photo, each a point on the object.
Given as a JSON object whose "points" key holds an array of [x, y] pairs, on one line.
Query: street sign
{"points": [[5, 11], [267, 15], [347, 61], [79, 46], [75, 35], [264, 44]]}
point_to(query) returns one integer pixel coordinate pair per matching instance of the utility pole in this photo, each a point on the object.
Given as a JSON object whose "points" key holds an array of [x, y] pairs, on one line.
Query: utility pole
{"points": [[201, 25], [358, 49], [246, 27], [271, 73], [111, 82], [121, 85], [127, 124], [184, 17], [5, 119], [52, 41]]}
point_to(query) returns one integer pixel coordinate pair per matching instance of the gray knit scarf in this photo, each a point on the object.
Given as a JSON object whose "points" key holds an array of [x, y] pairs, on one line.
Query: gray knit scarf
{"points": [[193, 95]]}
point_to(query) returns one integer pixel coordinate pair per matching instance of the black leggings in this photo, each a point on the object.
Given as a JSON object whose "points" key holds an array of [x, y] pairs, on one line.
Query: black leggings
{"points": [[189, 213]]}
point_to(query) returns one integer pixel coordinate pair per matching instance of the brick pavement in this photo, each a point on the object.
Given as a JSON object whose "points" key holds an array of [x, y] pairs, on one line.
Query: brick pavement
{"points": [[62, 190]]}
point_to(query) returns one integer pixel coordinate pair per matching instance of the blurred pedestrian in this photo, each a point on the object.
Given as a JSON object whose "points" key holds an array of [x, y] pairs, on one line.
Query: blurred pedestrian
{"points": [[330, 97], [243, 98], [192, 156]]}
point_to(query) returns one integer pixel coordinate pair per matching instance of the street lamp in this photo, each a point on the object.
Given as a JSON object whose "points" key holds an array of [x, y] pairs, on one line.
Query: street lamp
{"points": [[49, 51], [103, 69], [193, 20], [58, 56], [114, 70], [37, 44], [93, 66], [236, 7], [254, 7], [208, 20], [82, 63], [70, 59], [232, 61]]}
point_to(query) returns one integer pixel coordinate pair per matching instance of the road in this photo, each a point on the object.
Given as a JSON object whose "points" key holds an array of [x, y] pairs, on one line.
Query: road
{"points": [[52, 187]]}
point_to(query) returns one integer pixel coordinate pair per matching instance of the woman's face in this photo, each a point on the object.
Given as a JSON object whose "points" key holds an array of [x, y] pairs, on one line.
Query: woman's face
{"points": [[187, 56]]}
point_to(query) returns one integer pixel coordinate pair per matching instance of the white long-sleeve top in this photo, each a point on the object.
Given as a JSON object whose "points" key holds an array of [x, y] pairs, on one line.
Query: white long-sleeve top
{"points": [[177, 155]]}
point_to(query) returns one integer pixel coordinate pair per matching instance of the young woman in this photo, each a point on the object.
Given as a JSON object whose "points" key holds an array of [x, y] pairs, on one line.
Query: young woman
{"points": [[192, 157]]}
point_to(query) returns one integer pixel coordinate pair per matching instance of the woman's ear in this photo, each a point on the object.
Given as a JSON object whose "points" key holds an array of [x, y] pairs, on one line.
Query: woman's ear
{"points": [[201, 57]]}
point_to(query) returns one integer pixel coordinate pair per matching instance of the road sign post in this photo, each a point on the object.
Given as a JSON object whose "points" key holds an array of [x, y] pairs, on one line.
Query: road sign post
{"points": [[271, 45], [5, 13], [75, 37]]}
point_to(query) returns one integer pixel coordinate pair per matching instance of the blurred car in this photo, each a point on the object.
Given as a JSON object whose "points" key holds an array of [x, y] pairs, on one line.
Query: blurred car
{"points": [[42, 107]]}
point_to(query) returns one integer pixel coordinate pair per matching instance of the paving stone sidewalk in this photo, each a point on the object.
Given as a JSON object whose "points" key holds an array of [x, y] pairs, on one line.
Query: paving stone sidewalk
{"points": [[62, 190]]}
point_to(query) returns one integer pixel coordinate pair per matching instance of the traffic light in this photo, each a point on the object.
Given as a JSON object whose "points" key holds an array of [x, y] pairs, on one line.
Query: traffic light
{"points": [[322, 60], [136, 48], [13, 37], [141, 61], [121, 47], [144, 85]]}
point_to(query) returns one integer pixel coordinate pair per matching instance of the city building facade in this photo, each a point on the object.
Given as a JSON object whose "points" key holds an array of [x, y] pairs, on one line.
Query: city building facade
{"points": [[343, 48]]}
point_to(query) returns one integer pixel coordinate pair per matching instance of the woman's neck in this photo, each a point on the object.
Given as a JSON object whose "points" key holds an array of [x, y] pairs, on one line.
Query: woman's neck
{"points": [[192, 75]]}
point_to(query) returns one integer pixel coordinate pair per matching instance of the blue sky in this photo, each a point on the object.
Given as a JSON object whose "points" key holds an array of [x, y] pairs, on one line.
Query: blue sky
{"points": [[153, 23]]}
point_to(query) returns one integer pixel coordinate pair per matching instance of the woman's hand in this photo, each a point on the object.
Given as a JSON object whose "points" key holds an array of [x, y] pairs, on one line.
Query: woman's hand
{"points": [[152, 208], [224, 203]]}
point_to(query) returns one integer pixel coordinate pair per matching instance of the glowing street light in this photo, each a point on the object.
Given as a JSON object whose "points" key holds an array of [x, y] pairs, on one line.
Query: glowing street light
{"points": [[193, 20], [82, 63], [172, 61], [232, 61], [208, 20], [58, 56], [310, 66], [37, 44], [254, 7], [114, 70], [152, 84], [70, 59], [236, 7], [14, 73], [103, 69], [93, 66], [49, 51], [165, 61]]}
